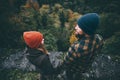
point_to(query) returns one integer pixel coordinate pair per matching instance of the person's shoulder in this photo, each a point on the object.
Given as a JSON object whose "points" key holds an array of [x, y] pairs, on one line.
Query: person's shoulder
{"points": [[35, 51]]}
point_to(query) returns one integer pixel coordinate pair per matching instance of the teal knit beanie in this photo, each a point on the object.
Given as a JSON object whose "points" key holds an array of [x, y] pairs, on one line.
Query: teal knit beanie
{"points": [[89, 23]]}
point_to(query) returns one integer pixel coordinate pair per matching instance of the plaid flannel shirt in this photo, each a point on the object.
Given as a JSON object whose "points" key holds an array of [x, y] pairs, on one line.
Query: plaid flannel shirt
{"points": [[81, 52]]}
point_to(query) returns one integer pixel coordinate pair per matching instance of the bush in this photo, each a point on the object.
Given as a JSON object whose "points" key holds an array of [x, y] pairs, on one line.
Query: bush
{"points": [[15, 74], [109, 24], [50, 40], [112, 45]]}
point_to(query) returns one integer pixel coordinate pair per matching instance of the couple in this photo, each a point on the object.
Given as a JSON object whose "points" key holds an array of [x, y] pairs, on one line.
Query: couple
{"points": [[79, 56]]}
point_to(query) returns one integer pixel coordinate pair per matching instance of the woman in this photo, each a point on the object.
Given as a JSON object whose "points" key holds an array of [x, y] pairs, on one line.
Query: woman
{"points": [[38, 55]]}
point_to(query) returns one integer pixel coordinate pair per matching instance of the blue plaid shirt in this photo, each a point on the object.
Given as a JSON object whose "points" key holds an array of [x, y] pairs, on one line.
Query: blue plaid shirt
{"points": [[81, 52]]}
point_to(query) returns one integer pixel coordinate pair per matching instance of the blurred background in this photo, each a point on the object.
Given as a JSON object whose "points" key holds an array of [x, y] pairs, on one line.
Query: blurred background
{"points": [[56, 20]]}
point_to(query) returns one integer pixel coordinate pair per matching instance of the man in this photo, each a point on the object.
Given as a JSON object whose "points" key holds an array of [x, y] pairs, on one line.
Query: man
{"points": [[81, 53]]}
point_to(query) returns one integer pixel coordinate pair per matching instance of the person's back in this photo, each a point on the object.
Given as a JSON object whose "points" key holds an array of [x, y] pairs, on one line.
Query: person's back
{"points": [[41, 61], [88, 46], [37, 54]]}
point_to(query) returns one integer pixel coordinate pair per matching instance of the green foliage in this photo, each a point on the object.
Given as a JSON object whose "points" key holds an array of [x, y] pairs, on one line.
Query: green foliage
{"points": [[62, 19], [49, 40], [6, 29], [112, 45], [100, 6], [109, 24], [62, 35], [28, 19], [45, 19], [51, 24], [56, 39], [15, 74], [53, 16], [55, 21]]}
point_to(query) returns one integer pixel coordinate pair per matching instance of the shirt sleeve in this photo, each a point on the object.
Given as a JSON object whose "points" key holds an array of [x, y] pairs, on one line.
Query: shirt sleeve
{"points": [[77, 50], [81, 51]]}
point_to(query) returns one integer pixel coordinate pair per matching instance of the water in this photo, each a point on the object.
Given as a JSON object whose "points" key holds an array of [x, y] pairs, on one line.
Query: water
{"points": [[103, 67]]}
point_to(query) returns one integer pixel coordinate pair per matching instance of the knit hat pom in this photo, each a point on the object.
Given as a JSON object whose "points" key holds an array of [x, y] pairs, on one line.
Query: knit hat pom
{"points": [[89, 23], [33, 38]]}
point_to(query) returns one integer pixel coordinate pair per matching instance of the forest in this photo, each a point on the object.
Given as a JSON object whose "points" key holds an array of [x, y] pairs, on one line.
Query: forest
{"points": [[56, 20]]}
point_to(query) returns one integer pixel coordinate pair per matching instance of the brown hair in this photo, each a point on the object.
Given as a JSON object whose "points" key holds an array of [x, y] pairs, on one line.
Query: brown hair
{"points": [[43, 49]]}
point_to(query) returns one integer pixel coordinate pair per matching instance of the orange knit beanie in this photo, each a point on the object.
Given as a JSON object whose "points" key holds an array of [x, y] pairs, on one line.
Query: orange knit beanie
{"points": [[33, 38]]}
